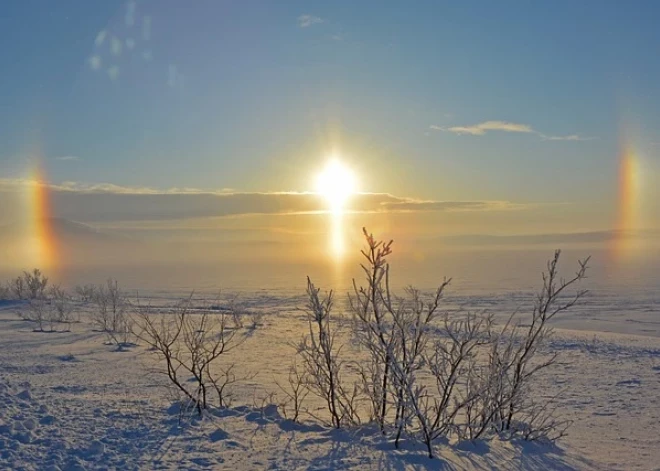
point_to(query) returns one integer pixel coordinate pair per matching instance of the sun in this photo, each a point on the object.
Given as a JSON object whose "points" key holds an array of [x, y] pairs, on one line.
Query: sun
{"points": [[336, 183]]}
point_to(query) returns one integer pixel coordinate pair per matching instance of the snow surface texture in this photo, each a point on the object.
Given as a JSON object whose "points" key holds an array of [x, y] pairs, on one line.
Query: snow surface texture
{"points": [[68, 401]]}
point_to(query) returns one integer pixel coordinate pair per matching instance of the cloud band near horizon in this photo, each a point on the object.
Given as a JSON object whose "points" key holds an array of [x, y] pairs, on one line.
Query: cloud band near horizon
{"points": [[107, 202]]}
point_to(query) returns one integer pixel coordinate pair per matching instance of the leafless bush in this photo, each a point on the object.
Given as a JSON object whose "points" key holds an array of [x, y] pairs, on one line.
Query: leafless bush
{"points": [[395, 333], [5, 292], [63, 308], [238, 318], [414, 319], [432, 374], [39, 311], [322, 362], [49, 311], [86, 293], [295, 393], [35, 283], [110, 315], [255, 319], [249, 319], [451, 362], [191, 344], [29, 285], [372, 329], [18, 288], [515, 357]]}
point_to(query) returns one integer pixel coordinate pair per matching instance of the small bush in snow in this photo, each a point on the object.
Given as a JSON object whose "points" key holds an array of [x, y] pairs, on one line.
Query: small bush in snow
{"points": [[190, 344], [39, 311], [5, 292], [295, 393], [50, 308], [110, 313], [29, 285], [62, 305], [515, 361], [86, 293]]}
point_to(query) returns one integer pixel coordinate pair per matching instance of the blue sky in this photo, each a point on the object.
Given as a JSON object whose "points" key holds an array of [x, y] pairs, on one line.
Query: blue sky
{"points": [[251, 95]]}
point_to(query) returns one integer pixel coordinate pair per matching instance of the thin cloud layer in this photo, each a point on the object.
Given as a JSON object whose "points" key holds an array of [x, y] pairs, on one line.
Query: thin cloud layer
{"points": [[305, 21], [416, 205], [107, 202], [505, 126], [481, 128]]}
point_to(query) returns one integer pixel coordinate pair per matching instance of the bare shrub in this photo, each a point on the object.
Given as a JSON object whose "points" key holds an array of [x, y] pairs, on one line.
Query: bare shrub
{"points": [[62, 305], [29, 285], [322, 362], [40, 312], [431, 374], [35, 284], [414, 319], [110, 315], [372, 329], [222, 381], [5, 292], [191, 344], [238, 318], [18, 288], [255, 319], [49, 311], [395, 332], [295, 393], [515, 358], [451, 362], [242, 317], [86, 293]]}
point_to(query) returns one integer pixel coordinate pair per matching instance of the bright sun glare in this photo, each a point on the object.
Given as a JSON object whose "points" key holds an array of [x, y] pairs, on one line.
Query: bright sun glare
{"points": [[336, 183]]}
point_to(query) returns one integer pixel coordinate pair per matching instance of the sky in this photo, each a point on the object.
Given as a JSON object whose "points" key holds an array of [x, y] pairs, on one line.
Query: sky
{"points": [[477, 117]]}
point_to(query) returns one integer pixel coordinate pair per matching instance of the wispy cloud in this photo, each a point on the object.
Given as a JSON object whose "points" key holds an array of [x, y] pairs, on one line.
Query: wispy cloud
{"points": [[108, 202], [407, 204], [480, 129], [570, 137], [305, 21], [67, 158]]}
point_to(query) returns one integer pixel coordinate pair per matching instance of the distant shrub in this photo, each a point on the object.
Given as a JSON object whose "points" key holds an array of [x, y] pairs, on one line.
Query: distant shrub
{"points": [[51, 309], [86, 293], [29, 285], [35, 283], [5, 292], [110, 314], [63, 307], [39, 311]]}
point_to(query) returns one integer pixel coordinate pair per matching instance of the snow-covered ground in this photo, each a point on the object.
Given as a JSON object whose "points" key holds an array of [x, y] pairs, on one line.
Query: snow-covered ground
{"points": [[68, 401]]}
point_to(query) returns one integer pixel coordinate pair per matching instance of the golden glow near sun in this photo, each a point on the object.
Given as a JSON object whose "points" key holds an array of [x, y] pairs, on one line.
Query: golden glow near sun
{"points": [[336, 183]]}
